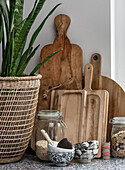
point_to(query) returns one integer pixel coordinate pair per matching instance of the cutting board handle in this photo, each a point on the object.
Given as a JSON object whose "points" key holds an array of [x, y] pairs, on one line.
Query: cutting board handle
{"points": [[96, 62], [62, 23], [88, 76]]}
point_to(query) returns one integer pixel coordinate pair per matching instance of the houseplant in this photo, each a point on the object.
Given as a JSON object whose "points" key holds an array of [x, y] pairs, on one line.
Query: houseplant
{"points": [[18, 92]]}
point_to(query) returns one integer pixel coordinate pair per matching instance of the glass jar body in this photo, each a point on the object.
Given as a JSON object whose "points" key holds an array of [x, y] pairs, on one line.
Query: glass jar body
{"points": [[118, 140], [52, 125]]}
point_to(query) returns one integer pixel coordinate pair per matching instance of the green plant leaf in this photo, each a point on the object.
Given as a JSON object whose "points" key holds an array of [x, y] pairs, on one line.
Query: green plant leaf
{"points": [[18, 12], [20, 41], [24, 56], [12, 4], [12, 52], [1, 26], [20, 72], [23, 32], [34, 36], [5, 12], [44, 61]]}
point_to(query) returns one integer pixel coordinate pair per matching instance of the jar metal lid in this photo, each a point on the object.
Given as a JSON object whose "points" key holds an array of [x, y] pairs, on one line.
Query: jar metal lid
{"points": [[117, 121], [49, 114]]}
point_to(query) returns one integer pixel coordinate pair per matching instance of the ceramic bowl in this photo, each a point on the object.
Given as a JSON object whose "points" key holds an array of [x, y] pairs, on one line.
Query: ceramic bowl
{"points": [[86, 151], [60, 156]]}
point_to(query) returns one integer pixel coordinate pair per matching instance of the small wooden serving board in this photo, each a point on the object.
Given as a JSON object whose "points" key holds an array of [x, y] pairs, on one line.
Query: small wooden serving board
{"points": [[71, 104], [96, 110]]}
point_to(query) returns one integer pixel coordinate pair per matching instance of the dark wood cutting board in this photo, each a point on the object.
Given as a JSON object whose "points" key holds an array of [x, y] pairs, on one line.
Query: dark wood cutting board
{"points": [[116, 93], [65, 68]]}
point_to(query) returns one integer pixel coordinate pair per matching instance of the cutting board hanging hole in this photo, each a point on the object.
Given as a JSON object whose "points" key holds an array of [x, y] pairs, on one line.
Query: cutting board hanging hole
{"points": [[95, 57]]}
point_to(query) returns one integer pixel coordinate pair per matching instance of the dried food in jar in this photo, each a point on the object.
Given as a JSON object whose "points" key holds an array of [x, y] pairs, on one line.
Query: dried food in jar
{"points": [[41, 150], [118, 144]]}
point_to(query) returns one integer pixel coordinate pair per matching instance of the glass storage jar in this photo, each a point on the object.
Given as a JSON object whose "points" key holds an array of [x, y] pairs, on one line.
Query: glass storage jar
{"points": [[52, 122], [118, 137]]}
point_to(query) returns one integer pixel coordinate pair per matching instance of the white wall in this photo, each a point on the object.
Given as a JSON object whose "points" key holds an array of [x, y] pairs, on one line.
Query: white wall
{"points": [[90, 28], [119, 45]]}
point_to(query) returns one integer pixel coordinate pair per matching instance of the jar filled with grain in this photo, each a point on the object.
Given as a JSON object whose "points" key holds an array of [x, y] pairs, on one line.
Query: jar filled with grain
{"points": [[118, 137], [52, 122]]}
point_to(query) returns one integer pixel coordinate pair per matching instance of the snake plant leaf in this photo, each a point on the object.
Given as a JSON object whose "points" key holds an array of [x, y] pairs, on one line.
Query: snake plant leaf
{"points": [[12, 52], [24, 32], [38, 9], [26, 27], [18, 12], [44, 61], [12, 5], [24, 56], [20, 72], [21, 41], [1, 27], [9, 54], [34, 36], [5, 11]]}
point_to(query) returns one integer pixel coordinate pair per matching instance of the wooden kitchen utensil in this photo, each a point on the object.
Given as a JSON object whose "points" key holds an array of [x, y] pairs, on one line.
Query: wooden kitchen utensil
{"points": [[63, 71], [116, 93], [72, 104], [96, 111]]}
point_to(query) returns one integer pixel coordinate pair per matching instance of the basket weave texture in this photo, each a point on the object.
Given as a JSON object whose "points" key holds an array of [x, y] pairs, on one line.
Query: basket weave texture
{"points": [[18, 101]]}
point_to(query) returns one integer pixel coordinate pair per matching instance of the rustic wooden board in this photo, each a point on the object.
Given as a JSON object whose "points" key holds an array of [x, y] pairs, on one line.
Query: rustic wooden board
{"points": [[96, 111], [71, 104], [64, 68], [116, 93]]}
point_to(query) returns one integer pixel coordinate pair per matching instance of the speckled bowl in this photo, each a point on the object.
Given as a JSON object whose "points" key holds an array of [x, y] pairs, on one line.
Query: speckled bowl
{"points": [[86, 151], [60, 156]]}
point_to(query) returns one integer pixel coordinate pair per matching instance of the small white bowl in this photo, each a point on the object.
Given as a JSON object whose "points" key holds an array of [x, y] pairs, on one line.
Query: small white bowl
{"points": [[60, 156], [86, 151]]}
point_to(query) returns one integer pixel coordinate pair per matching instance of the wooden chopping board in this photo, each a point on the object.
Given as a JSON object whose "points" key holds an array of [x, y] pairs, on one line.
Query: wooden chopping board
{"points": [[71, 103], [65, 68], [116, 93], [95, 122]]}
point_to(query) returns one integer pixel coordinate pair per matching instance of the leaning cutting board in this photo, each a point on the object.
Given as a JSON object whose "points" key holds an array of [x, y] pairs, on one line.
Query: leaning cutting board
{"points": [[72, 104], [96, 111], [63, 70], [116, 93], [86, 117]]}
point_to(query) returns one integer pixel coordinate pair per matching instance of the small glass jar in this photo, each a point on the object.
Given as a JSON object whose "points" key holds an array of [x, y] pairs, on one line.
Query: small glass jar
{"points": [[118, 137], [52, 122]]}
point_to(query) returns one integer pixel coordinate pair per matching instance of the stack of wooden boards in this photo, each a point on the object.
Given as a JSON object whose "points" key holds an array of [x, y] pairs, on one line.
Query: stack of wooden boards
{"points": [[85, 110]]}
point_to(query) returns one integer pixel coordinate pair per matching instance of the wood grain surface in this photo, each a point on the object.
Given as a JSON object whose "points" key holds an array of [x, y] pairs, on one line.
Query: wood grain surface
{"points": [[116, 93], [96, 110], [71, 104], [65, 68]]}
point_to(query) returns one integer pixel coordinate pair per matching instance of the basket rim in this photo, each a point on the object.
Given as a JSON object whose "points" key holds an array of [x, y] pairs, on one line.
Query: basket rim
{"points": [[24, 78]]}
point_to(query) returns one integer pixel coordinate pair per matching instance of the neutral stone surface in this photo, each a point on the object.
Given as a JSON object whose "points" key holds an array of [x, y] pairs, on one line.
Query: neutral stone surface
{"points": [[30, 162]]}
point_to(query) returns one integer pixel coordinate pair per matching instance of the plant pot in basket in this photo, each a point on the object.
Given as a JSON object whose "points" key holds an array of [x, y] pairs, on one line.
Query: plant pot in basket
{"points": [[18, 93], [18, 101]]}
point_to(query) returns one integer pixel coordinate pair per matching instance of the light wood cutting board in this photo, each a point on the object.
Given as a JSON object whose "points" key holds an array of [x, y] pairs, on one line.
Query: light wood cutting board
{"points": [[72, 104], [64, 68], [96, 111], [116, 93]]}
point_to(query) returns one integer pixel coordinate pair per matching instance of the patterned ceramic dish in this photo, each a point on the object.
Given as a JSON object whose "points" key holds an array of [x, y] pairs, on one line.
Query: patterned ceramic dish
{"points": [[60, 156], [86, 151]]}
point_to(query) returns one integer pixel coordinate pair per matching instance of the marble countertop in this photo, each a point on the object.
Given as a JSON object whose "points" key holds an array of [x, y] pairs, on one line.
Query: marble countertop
{"points": [[31, 162]]}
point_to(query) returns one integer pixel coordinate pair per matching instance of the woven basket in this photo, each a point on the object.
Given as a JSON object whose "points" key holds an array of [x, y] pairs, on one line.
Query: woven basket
{"points": [[18, 101]]}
